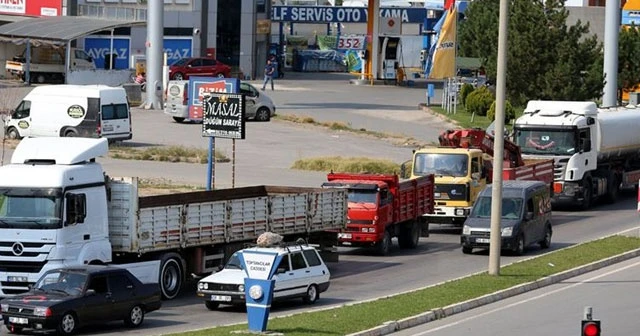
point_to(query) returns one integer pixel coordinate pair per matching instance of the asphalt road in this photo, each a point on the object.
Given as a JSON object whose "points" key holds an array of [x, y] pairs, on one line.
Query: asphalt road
{"points": [[553, 310]]}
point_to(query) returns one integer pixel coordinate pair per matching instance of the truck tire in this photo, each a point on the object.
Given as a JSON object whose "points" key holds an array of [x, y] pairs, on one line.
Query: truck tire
{"points": [[586, 195], [384, 246], [613, 187], [39, 78], [171, 275], [409, 236]]}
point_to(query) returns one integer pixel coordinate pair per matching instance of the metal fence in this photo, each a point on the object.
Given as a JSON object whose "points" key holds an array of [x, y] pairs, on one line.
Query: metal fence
{"points": [[116, 13]]}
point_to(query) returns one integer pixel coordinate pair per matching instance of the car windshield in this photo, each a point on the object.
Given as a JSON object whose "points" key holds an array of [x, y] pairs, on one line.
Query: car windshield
{"points": [[362, 196], [180, 62], [546, 141], [62, 281], [30, 208], [234, 262], [456, 165], [511, 208]]}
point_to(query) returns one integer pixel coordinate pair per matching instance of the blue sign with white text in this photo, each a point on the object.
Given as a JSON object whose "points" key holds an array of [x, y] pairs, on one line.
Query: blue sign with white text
{"points": [[177, 48], [100, 47], [326, 14]]}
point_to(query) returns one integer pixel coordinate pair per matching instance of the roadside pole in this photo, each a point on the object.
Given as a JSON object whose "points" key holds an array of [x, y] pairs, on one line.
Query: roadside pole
{"points": [[498, 144]]}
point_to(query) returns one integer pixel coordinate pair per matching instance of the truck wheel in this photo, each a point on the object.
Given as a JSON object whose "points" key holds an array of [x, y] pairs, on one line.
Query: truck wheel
{"points": [[178, 119], [613, 187], [68, 324], [211, 305], [586, 195], [38, 78], [170, 275], [409, 236], [546, 241], [467, 249], [12, 133], [383, 246]]}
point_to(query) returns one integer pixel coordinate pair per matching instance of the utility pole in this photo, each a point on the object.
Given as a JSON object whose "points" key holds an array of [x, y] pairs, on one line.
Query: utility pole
{"points": [[611, 31], [498, 144], [155, 33]]}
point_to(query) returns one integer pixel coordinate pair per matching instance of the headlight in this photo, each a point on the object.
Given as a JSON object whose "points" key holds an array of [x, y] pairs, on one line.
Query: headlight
{"points": [[569, 190], [4, 307], [241, 288], [507, 231], [205, 285], [41, 311], [460, 212], [466, 230]]}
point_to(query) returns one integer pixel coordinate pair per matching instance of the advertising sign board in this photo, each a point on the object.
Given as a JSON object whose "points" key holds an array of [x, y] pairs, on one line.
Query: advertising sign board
{"points": [[31, 7], [99, 48], [199, 86], [223, 117], [327, 14]]}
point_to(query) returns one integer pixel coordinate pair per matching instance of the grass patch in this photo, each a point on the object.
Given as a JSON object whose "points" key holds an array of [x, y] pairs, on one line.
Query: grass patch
{"points": [[165, 153], [465, 120], [341, 126], [150, 187], [347, 165], [348, 319]]}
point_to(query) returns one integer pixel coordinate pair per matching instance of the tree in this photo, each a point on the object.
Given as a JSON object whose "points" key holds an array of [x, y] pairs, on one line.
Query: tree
{"points": [[628, 60], [546, 59]]}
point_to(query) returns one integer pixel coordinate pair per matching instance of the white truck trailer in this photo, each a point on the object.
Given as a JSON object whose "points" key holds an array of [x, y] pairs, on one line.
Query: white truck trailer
{"points": [[58, 208], [595, 150]]}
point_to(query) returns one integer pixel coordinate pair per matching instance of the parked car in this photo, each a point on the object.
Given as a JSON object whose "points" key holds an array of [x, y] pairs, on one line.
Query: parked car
{"points": [[258, 106], [67, 298], [525, 220], [198, 66], [301, 274]]}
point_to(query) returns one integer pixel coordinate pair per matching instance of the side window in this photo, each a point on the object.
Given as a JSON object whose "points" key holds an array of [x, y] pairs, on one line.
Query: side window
{"points": [[531, 207], [384, 197], [284, 263], [120, 283], [208, 62], [585, 139], [247, 90], [115, 111], [312, 258], [80, 54], [196, 63], [23, 110], [297, 261], [99, 284]]}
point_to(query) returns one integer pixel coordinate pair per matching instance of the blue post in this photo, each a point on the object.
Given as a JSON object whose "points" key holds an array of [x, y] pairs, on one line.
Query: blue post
{"points": [[430, 93], [211, 164]]}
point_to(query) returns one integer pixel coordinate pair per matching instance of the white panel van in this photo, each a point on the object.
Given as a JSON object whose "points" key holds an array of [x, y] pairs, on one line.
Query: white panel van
{"points": [[91, 111]]}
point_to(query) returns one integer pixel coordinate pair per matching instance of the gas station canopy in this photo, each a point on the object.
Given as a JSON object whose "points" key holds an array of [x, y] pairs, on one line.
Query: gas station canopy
{"points": [[58, 30]]}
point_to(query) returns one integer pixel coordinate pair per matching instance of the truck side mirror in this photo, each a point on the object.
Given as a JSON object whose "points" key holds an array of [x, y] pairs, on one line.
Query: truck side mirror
{"points": [[76, 208]]}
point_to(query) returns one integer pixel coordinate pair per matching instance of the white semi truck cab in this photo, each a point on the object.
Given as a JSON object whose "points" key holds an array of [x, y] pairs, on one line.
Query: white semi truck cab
{"points": [[595, 150], [52, 210]]}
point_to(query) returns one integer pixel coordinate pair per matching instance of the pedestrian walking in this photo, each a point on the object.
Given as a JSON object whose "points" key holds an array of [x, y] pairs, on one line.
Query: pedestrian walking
{"points": [[269, 69]]}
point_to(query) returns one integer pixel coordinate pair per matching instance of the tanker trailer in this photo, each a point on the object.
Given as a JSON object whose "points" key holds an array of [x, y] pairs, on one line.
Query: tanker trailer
{"points": [[596, 151]]}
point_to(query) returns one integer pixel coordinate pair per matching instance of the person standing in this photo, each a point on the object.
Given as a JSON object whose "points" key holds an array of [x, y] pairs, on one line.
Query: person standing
{"points": [[269, 69]]}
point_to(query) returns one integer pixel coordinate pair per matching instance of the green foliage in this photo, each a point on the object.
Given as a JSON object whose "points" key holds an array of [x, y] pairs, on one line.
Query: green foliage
{"points": [[546, 58], [465, 90], [628, 60], [479, 101], [509, 112]]}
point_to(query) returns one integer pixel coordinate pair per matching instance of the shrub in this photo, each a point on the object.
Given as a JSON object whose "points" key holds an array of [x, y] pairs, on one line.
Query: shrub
{"points": [[509, 112], [465, 90], [479, 101]]}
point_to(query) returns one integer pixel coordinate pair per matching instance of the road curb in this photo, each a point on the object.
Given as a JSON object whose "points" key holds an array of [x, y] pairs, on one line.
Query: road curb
{"points": [[439, 313]]}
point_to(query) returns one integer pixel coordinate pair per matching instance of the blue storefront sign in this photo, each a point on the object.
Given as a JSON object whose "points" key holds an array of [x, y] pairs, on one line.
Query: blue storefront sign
{"points": [[177, 48], [326, 14], [99, 47]]}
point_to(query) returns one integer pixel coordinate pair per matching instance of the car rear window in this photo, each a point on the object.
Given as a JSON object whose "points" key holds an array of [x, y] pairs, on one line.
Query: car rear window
{"points": [[312, 258], [115, 111]]}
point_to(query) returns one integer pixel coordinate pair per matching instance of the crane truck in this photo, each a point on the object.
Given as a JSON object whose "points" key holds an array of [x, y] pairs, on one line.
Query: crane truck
{"points": [[462, 166], [59, 208], [381, 206], [595, 150]]}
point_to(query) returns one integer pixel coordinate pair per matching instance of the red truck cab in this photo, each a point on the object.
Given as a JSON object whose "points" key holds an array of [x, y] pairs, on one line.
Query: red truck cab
{"points": [[382, 207]]}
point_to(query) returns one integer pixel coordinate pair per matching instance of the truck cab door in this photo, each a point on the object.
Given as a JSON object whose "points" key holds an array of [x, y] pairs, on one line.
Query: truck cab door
{"points": [[21, 119], [385, 206], [478, 177]]}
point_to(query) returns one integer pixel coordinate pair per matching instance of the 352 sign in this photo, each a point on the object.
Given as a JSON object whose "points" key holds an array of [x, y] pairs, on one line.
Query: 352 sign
{"points": [[351, 42]]}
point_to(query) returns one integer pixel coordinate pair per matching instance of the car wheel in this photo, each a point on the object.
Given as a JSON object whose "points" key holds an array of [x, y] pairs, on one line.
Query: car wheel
{"points": [[546, 241], [14, 330], [383, 247], [220, 75], [467, 249], [312, 295], [263, 114], [518, 249], [68, 324], [211, 305], [70, 134], [178, 76], [170, 275], [178, 119], [135, 318], [12, 133]]}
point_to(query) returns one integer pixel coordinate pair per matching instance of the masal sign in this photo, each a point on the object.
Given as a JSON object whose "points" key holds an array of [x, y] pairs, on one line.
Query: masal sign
{"points": [[320, 14]]}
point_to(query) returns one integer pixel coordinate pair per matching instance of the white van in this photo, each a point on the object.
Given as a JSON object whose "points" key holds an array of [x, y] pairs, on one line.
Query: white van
{"points": [[90, 111]]}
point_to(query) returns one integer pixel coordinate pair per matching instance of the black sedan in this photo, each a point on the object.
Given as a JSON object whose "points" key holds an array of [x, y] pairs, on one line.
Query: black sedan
{"points": [[67, 298]]}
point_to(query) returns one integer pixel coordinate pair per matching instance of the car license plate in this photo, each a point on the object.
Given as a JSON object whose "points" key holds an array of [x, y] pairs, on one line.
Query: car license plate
{"points": [[108, 128], [12, 278], [344, 235], [225, 298], [18, 320], [482, 240]]}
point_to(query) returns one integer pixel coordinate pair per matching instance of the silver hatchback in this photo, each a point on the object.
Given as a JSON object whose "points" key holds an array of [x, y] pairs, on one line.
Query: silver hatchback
{"points": [[258, 106]]}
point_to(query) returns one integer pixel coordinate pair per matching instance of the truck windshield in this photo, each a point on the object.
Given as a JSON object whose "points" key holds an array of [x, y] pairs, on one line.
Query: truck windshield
{"points": [[511, 208], [362, 196], [456, 165], [26, 208], [546, 141]]}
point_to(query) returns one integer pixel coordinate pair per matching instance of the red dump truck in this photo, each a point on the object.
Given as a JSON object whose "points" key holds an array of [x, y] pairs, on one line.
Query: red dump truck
{"points": [[381, 207]]}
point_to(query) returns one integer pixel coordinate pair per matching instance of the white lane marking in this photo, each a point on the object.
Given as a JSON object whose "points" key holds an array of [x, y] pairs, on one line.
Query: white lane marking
{"points": [[527, 300]]}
